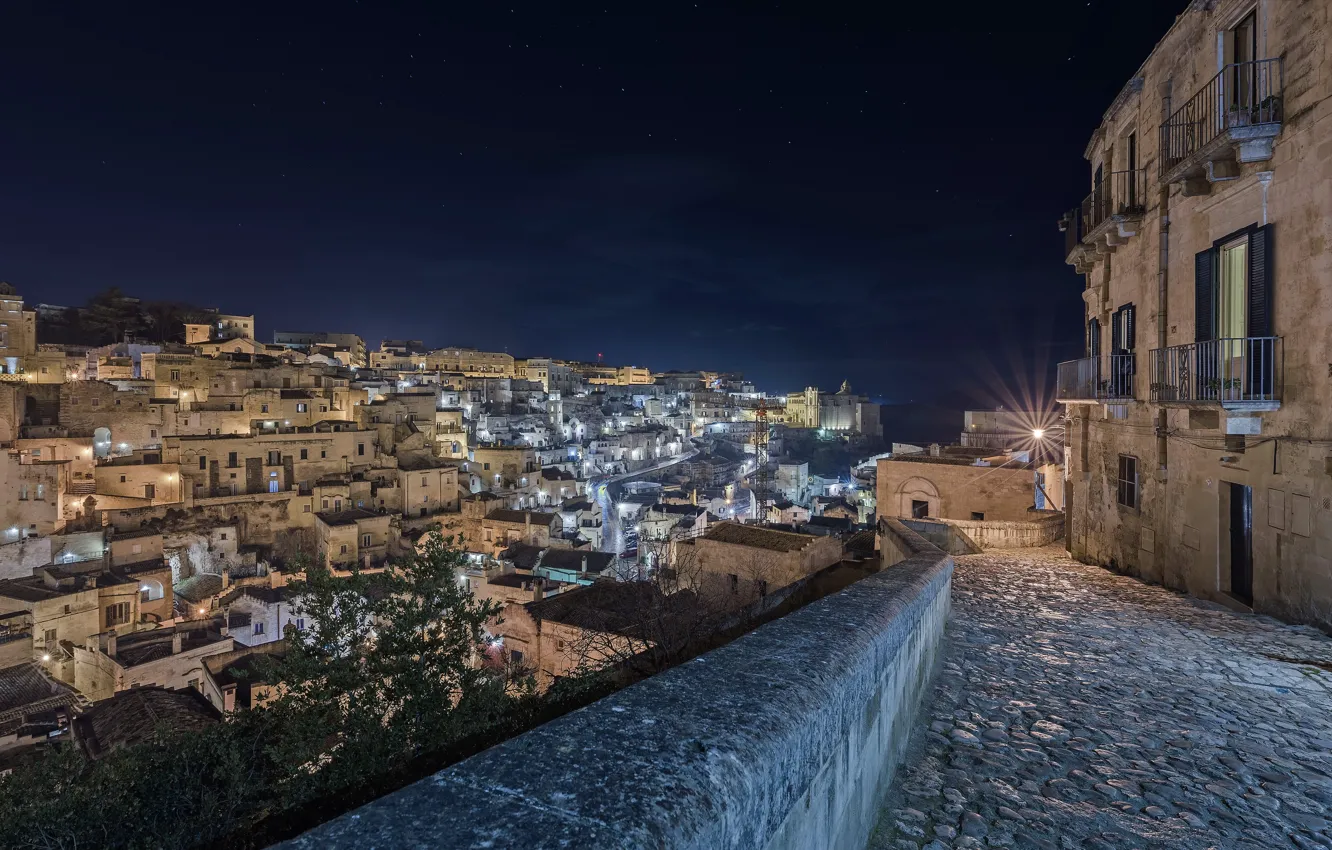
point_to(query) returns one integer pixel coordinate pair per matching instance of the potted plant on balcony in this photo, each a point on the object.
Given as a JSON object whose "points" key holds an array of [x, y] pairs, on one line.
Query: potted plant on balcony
{"points": [[1267, 110]]}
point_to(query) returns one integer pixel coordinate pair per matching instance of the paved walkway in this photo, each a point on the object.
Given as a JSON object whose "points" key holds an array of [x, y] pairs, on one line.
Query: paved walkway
{"points": [[1080, 709]]}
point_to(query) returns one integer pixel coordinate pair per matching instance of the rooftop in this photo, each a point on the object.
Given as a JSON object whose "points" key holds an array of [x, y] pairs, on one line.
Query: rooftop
{"points": [[132, 716], [262, 593], [348, 517], [757, 537], [615, 607], [578, 560], [521, 517], [197, 588], [137, 648], [25, 688]]}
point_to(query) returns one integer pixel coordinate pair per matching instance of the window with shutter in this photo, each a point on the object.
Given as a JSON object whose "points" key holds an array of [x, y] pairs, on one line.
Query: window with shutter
{"points": [[1093, 337], [1203, 306], [1260, 275]]}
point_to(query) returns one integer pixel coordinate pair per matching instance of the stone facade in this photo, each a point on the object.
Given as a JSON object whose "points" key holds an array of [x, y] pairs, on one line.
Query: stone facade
{"points": [[954, 489], [1161, 481], [752, 554]]}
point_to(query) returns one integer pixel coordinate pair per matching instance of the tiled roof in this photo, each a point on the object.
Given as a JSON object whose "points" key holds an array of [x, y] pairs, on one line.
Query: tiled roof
{"points": [[132, 716], [574, 559], [521, 517], [524, 556], [197, 588], [616, 607], [25, 688]]}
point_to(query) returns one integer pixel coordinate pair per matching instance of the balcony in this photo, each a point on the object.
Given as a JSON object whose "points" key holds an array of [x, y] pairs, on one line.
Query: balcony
{"points": [[1106, 219], [1235, 118], [1097, 380], [1242, 373]]}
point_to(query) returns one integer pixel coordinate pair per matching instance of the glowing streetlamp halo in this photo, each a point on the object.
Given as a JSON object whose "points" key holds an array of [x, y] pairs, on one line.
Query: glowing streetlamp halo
{"points": [[1038, 433]]}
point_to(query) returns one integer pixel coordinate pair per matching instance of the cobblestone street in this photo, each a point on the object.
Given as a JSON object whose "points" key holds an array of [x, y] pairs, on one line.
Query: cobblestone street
{"points": [[1076, 708]]}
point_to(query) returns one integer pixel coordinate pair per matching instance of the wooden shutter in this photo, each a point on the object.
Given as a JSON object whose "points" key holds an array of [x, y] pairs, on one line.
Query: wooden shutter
{"points": [[1093, 337], [1204, 304], [1130, 326], [1260, 281], [1117, 331]]}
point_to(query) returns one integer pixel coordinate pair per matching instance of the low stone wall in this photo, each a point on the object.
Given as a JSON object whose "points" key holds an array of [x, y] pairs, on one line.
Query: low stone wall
{"points": [[968, 537], [944, 535], [1044, 528], [786, 738]]}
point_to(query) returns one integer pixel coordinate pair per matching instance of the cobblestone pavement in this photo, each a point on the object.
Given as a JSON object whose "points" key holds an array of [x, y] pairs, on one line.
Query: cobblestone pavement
{"points": [[1080, 709]]}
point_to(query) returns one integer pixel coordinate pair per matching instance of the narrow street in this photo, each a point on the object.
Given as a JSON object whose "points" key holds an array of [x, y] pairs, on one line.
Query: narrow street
{"points": [[607, 490], [1080, 709]]}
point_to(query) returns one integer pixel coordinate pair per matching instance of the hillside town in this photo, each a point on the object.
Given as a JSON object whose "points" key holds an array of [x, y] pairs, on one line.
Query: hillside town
{"points": [[162, 497]]}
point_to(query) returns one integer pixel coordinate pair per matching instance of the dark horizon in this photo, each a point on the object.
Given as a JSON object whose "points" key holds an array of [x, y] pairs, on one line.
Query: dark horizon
{"points": [[805, 195]]}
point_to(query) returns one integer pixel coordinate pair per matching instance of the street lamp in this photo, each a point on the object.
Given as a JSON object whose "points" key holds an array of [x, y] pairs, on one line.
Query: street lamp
{"points": [[1038, 433]]}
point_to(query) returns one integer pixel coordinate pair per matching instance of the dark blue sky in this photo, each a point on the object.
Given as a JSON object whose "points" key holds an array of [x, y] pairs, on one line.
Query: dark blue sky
{"points": [[802, 191]]}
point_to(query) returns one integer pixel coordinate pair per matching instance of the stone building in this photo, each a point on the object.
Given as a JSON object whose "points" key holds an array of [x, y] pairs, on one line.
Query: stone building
{"points": [[352, 537], [351, 343], [802, 408], [18, 332], [459, 361], [502, 527], [751, 554], [1198, 417], [956, 486]]}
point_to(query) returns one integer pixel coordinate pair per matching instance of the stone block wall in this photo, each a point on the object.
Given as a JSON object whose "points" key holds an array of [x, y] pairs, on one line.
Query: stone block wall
{"points": [[785, 738]]}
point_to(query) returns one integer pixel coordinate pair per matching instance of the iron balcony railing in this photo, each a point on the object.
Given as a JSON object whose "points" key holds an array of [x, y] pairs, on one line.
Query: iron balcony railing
{"points": [[1072, 225], [1237, 370], [1105, 378], [1119, 193], [1244, 94]]}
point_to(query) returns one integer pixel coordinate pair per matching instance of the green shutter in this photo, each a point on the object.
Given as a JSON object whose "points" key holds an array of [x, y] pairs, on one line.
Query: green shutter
{"points": [[1204, 295], [1260, 281]]}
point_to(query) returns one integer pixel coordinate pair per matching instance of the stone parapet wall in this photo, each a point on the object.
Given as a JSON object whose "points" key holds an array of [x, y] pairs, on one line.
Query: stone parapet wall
{"points": [[1044, 528], [785, 738], [968, 537]]}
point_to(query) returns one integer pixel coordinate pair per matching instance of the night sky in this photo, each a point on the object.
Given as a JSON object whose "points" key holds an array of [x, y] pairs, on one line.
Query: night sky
{"points": [[804, 192]]}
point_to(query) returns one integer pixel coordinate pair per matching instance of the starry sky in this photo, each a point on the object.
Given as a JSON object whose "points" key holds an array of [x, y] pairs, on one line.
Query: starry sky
{"points": [[804, 192]]}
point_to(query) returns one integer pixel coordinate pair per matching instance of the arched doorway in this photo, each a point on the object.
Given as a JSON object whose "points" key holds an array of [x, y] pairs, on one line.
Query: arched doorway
{"points": [[918, 498]]}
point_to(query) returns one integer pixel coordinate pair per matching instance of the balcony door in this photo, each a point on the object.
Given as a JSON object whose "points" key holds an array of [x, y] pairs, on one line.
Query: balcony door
{"points": [[1235, 355], [1243, 53], [1232, 323]]}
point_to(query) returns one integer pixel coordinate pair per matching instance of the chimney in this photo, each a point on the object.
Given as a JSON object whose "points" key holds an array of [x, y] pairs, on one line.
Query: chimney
{"points": [[584, 567], [538, 590], [176, 642], [111, 645], [226, 578]]}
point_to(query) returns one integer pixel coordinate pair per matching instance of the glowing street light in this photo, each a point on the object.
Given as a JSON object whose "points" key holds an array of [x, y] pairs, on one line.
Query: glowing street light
{"points": [[1038, 433]]}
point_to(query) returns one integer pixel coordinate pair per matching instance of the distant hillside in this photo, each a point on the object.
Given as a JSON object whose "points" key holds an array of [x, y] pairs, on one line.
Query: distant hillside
{"points": [[112, 316]]}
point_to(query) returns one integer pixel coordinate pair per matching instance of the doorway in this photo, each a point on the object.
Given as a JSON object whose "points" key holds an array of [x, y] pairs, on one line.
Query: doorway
{"points": [[1241, 543], [1243, 52]]}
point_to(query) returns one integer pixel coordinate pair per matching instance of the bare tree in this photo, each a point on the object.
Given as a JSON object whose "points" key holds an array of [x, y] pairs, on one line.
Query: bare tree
{"points": [[668, 610]]}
